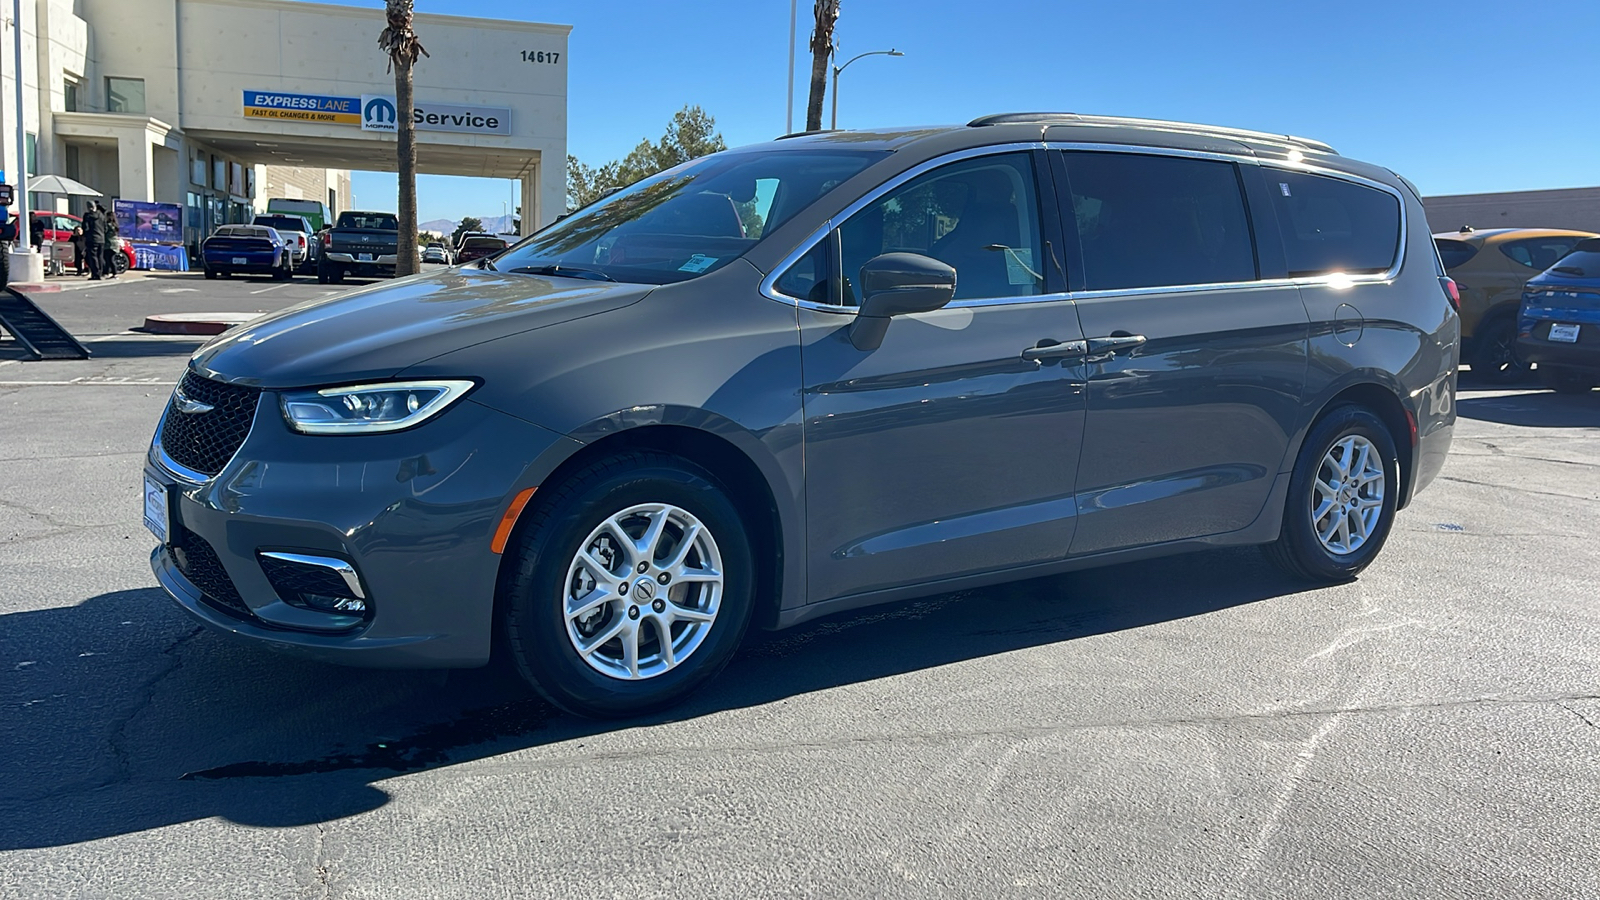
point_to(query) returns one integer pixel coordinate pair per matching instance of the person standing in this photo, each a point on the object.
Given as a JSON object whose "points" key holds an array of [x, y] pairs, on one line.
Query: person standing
{"points": [[77, 249], [93, 234], [108, 243]]}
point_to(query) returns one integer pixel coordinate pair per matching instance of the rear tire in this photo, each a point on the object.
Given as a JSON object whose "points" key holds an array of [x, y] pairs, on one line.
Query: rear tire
{"points": [[1494, 354], [1563, 380], [211, 274], [1336, 519], [583, 580]]}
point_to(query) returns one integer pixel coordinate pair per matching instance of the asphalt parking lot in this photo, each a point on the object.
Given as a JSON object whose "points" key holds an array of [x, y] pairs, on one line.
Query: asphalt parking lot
{"points": [[1189, 727]]}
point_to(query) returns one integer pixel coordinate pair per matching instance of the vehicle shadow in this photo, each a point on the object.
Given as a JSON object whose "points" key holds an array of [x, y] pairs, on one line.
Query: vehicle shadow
{"points": [[215, 729], [1534, 409]]}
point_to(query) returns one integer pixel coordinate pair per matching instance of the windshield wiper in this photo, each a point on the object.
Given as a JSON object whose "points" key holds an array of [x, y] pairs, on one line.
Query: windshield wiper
{"points": [[564, 272], [487, 264]]}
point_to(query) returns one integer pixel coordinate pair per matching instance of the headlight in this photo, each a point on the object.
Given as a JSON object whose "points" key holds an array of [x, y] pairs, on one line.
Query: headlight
{"points": [[370, 408]]}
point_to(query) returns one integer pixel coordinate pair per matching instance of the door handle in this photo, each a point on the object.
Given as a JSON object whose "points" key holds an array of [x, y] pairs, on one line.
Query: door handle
{"points": [[1101, 348], [1049, 349]]}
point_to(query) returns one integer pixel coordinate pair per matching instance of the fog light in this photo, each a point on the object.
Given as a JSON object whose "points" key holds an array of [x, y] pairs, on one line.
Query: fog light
{"points": [[331, 604]]}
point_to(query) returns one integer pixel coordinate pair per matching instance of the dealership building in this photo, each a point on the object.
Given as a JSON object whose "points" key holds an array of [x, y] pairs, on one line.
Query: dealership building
{"points": [[218, 105]]}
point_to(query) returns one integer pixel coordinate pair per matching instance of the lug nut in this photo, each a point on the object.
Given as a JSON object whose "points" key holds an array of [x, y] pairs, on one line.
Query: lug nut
{"points": [[643, 566], [633, 612], [663, 578], [659, 606]]}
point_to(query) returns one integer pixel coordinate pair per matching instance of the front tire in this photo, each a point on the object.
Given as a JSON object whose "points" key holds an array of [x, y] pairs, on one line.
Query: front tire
{"points": [[1563, 380], [1343, 492], [633, 587], [211, 274]]}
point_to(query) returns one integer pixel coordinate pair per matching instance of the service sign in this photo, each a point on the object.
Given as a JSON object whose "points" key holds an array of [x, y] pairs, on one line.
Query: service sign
{"points": [[379, 113], [302, 107]]}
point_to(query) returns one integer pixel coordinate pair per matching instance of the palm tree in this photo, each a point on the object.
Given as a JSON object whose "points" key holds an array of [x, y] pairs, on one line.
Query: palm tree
{"points": [[827, 12], [401, 43]]}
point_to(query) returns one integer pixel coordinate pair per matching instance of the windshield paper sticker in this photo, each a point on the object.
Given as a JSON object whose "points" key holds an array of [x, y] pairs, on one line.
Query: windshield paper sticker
{"points": [[1019, 266], [1283, 187], [698, 263]]}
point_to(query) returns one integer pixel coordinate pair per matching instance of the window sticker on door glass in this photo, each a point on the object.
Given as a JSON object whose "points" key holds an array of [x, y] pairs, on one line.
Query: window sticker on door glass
{"points": [[1019, 266], [698, 263], [1284, 187]]}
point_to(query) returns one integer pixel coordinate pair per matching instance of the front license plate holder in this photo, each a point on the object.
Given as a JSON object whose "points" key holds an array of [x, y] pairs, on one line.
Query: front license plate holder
{"points": [[157, 510], [1563, 334], [240, 261]]}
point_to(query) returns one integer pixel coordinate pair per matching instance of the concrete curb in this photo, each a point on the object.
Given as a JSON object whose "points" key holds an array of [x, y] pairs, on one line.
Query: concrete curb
{"points": [[30, 287], [196, 323]]}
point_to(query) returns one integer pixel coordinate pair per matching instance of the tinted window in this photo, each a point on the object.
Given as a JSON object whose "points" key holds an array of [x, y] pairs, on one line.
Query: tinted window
{"points": [[1538, 253], [1582, 262], [1152, 221], [810, 277], [374, 221], [1333, 225], [980, 216], [1454, 253], [691, 219], [484, 244]]}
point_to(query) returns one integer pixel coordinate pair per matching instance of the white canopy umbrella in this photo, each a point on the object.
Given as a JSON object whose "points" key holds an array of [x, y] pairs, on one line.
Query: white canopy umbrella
{"points": [[60, 184]]}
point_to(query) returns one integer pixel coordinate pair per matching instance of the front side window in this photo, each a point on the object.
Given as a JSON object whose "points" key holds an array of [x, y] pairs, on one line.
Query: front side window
{"points": [[686, 221], [125, 95], [1332, 225], [1539, 253], [1159, 221], [980, 216]]}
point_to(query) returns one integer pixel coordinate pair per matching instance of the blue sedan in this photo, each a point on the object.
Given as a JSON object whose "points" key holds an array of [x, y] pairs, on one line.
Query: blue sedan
{"points": [[1559, 329], [247, 250]]}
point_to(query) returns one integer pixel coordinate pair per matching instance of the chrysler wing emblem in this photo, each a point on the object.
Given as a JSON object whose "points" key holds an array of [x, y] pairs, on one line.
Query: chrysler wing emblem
{"points": [[187, 404]]}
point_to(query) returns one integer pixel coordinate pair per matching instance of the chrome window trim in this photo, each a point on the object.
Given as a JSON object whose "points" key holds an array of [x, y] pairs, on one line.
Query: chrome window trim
{"points": [[770, 291], [339, 566], [769, 284]]}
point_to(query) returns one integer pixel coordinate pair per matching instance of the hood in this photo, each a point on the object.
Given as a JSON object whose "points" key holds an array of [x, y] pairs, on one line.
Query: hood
{"points": [[376, 332]]}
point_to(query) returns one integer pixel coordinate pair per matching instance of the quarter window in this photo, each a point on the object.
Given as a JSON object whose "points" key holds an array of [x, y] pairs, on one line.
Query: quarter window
{"points": [[1333, 225], [979, 216], [1539, 253], [1159, 221], [810, 278], [1454, 253]]}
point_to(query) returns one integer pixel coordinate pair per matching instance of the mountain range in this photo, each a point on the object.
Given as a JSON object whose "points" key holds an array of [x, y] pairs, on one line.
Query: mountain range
{"points": [[447, 227]]}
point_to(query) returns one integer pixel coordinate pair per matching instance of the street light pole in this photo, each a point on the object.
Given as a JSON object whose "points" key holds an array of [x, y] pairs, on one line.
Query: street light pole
{"points": [[788, 121], [21, 176], [834, 124]]}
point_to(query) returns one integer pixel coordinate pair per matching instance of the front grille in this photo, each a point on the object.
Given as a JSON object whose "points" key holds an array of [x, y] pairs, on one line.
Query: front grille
{"points": [[200, 564], [205, 441]]}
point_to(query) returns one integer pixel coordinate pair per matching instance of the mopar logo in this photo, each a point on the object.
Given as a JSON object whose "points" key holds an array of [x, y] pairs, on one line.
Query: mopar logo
{"points": [[378, 113]]}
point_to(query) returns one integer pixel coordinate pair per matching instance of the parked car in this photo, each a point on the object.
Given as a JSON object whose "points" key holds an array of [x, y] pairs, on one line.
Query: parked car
{"points": [[1490, 268], [58, 228], [479, 247], [1559, 329], [913, 362], [247, 250], [298, 233], [435, 253], [360, 243]]}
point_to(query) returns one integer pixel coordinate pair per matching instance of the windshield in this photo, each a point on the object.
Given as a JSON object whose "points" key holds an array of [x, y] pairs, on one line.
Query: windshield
{"points": [[688, 220], [373, 221]]}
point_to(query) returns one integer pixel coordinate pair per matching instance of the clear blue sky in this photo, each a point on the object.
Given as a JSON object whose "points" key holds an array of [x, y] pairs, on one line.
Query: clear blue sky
{"points": [[1461, 97]]}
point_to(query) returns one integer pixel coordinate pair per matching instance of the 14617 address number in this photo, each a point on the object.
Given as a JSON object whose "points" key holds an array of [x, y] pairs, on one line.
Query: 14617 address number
{"points": [[540, 56]]}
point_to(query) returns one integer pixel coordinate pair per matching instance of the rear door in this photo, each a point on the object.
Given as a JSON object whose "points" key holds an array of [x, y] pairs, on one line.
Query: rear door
{"points": [[1197, 347]]}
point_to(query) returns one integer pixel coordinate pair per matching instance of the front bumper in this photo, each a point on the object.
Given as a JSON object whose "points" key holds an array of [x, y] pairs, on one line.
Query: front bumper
{"points": [[413, 512]]}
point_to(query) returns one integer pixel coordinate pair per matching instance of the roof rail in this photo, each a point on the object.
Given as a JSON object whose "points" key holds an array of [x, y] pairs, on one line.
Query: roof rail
{"points": [[794, 134], [1059, 118]]}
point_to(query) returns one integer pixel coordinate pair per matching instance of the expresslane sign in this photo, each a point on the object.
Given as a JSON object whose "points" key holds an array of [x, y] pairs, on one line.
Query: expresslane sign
{"points": [[302, 107], [379, 113]]}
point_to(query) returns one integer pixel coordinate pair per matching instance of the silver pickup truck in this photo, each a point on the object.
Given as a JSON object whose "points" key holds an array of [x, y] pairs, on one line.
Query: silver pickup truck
{"points": [[362, 244]]}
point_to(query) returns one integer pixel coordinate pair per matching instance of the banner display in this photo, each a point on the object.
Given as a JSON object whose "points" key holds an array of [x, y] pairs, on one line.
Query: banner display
{"points": [[302, 107], [379, 113], [160, 256], [138, 220]]}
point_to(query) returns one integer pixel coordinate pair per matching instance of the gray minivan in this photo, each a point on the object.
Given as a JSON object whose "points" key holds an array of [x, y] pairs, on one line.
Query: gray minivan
{"points": [[828, 371]]}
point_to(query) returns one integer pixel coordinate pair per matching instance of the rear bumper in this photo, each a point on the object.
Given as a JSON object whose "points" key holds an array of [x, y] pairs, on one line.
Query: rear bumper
{"points": [[1534, 346], [253, 262], [378, 259]]}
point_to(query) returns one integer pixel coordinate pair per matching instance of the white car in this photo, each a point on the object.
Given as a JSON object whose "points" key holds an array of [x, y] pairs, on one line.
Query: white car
{"points": [[435, 253], [296, 233]]}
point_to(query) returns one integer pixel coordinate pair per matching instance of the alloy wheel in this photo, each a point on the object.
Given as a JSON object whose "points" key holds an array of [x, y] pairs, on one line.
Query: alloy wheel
{"points": [[642, 592], [1347, 495]]}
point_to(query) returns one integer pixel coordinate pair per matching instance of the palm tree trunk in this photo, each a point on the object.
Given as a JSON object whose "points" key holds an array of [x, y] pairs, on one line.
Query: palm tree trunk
{"points": [[408, 262], [827, 15]]}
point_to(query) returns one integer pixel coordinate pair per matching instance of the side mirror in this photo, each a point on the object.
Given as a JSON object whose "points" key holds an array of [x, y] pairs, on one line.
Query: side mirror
{"points": [[895, 284]]}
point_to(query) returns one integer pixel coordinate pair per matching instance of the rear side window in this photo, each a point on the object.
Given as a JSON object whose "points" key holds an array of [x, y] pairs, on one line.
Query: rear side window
{"points": [[1538, 253], [1333, 225], [1454, 253], [1156, 221]]}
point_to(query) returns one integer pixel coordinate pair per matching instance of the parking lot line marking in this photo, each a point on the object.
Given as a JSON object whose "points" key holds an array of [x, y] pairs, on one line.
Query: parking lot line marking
{"points": [[273, 288], [82, 383]]}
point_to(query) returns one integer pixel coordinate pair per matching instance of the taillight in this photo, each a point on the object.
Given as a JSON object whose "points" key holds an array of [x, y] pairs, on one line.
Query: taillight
{"points": [[327, 239], [1451, 291]]}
